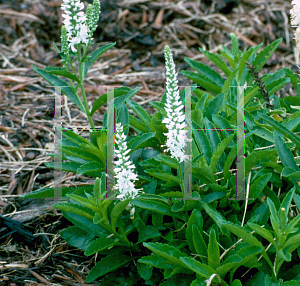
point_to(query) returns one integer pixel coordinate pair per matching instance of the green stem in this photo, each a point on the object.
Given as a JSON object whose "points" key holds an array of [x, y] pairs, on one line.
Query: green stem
{"points": [[73, 69], [82, 88]]}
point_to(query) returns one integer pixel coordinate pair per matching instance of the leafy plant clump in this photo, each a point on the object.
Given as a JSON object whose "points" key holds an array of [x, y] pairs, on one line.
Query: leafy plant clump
{"points": [[224, 233]]}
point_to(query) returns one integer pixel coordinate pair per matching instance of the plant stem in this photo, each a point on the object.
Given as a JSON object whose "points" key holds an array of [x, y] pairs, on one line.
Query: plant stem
{"points": [[82, 88]]}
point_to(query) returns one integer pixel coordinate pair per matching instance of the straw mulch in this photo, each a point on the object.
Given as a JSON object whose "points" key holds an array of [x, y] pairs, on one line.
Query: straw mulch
{"points": [[31, 251]]}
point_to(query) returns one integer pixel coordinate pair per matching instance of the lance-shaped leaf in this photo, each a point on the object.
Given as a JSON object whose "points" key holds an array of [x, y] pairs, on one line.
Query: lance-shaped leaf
{"points": [[65, 88], [117, 211], [99, 245], [167, 251], [247, 237], [281, 129], [95, 55], [108, 264], [62, 72], [140, 141], [77, 237], [265, 54], [213, 250], [103, 98], [218, 152]]}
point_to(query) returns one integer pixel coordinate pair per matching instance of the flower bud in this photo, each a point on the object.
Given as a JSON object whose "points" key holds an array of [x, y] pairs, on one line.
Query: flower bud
{"points": [[64, 40]]}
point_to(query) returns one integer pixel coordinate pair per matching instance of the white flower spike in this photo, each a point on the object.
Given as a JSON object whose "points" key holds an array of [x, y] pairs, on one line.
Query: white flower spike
{"points": [[123, 171], [295, 21], [78, 30], [175, 120], [295, 13]]}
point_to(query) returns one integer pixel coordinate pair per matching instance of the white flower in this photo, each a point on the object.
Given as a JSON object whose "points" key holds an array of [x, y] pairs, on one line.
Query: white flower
{"points": [[295, 13], [74, 22], [123, 171], [297, 38], [175, 120]]}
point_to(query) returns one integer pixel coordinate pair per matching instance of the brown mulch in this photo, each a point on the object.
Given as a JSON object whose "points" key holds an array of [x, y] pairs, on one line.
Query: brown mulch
{"points": [[31, 250]]}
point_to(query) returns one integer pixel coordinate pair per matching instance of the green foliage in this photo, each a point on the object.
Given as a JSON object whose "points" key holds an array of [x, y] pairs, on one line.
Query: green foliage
{"points": [[210, 238]]}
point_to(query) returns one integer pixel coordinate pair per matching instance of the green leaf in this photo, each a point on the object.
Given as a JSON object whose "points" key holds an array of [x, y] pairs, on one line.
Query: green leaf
{"points": [[248, 254], [234, 45], [257, 186], [250, 93], [295, 239], [244, 58], [108, 264], [91, 169], [65, 88], [291, 283], [84, 201], [199, 243], [121, 99], [274, 217], [217, 60], [51, 192], [95, 55], [285, 207], [160, 107], [75, 138], [160, 198], [101, 142], [276, 85], [103, 98], [147, 232], [171, 253], [144, 270], [75, 209], [217, 217], [65, 166], [213, 106], [227, 54], [141, 113], [139, 141], [203, 81], [262, 232], [156, 207], [285, 153], [62, 72], [86, 224], [202, 142], [229, 263], [228, 163], [167, 160], [80, 153], [218, 152], [206, 71], [213, 250], [157, 173], [156, 261], [99, 245], [265, 55], [179, 280], [204, 173], [279, 127], [247, 237], [294, 79], [137, 124], [116, 212], [194, 219], [77, 237], [255, 157], [293, 222], [236, 282], [200, 268]]}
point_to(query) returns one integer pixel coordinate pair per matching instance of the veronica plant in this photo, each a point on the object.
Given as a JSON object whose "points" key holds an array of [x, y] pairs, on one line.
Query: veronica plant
{"points": [[165, 239]]}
